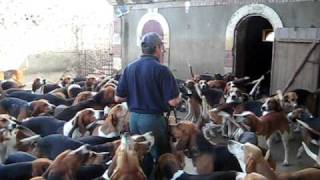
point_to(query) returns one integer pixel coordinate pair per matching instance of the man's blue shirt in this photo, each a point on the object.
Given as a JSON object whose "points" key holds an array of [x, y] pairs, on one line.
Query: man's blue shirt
{"points": [[147, 85]]}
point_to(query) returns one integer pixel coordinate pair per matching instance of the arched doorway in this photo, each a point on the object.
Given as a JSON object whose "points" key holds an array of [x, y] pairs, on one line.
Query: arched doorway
{"points": [[242, 22], [155, 26], [253, 52], [155, 22]]}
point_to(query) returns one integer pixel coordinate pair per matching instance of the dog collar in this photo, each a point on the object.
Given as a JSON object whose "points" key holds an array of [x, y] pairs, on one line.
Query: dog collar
{"points": [[177, 175]]}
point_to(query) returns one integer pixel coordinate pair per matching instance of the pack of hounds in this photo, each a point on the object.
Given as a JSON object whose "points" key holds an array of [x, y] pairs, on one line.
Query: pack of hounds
{"points": [[74, 129]]}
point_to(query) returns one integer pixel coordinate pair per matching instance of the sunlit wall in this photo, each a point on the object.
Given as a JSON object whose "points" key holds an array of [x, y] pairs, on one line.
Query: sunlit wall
{"points": [[32, 26]]}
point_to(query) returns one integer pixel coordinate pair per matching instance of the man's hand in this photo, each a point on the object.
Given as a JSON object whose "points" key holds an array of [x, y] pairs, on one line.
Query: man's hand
{"points": [[174, 102]]}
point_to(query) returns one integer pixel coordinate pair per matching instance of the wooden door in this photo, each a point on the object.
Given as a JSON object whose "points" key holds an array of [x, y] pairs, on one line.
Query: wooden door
{"points": [[295, 64]]}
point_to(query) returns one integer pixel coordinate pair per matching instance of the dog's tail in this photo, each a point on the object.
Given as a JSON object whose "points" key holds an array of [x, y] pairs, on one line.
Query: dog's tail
{"points": [[311, 154], [305, 125], [281, 98], [191, 71]]}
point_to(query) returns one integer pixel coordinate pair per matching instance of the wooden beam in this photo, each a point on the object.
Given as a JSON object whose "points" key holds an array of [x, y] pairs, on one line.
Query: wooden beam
{"points": [[297, 71]]}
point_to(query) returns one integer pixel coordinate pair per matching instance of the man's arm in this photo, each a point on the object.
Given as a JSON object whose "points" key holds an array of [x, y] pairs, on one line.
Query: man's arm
{"points": [[122, 89], [169, 88]]}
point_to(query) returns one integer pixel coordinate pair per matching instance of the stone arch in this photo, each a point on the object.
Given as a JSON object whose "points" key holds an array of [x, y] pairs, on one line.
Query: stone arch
{"points": [[245, 11], [153, 15]]}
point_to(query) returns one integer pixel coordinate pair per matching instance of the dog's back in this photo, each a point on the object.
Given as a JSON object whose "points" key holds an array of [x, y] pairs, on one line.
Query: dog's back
{"points": [[12, 106], [274, 121], [44, 125]]}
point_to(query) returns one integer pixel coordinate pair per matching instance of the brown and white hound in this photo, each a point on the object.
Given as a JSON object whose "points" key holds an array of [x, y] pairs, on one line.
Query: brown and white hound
{"points": [[14, 138], [267, 126], [170, 167], [310, 132], [22, 109], [65, 166], [205, 157], [80, 125], [82, 96], [252, 160], [126, 162], [115, 123]]}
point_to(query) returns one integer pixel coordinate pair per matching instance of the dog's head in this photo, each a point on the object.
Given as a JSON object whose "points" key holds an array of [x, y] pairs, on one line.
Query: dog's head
{"points": [[243, 152], [86, 157], [203, 85], [144, 141], [82, 96], [91, 81], [84, 119], [244, 117], [37, 83], [183, 131], [290, 101], [7, 122], [271, 104], [41, 106], [118, 115], [229, 85], [125, 164], [235, 95], [68, 162], [105, 97], [189, 84], [170, 161], [143, 144], [66, 80], [73, 90], [19, 138]]}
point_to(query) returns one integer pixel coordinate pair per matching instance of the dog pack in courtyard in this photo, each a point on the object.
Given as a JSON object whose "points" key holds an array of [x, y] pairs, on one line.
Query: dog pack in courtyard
{"points": [[160, 90]]}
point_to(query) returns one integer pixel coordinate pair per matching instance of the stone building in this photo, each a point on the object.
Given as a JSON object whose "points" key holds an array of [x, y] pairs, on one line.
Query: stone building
{"points": [[246, 37]]}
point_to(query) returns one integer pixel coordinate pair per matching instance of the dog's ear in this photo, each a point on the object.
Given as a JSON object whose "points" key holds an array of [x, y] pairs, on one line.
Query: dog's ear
{"points": [[278, 107], [112, 168], [180, 157], [78, 122], [251, 165], [35, 108], [285, 98], [114, 120], [3, 138]]}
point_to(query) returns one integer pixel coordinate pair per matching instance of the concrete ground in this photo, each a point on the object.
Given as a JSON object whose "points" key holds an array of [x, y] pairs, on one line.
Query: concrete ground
{"points": [[277, 154]]}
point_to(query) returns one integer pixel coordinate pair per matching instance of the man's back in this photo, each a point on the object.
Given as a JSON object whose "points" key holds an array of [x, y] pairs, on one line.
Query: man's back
{"points": [[150, 86]]}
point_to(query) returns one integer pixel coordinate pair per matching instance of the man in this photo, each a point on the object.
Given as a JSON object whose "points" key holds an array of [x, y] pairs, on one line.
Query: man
{"points": [[149, 88]]}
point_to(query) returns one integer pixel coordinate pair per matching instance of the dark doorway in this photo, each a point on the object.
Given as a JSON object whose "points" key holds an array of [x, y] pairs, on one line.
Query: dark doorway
{"points": [[253, 55]]}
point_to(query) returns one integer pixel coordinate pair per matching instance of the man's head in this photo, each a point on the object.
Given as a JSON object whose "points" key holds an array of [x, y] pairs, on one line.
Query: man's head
{"points": [[151, 43]]}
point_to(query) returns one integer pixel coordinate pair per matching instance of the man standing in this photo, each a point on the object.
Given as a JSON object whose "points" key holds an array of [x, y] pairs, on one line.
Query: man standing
{"points": [[149, 88]]}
